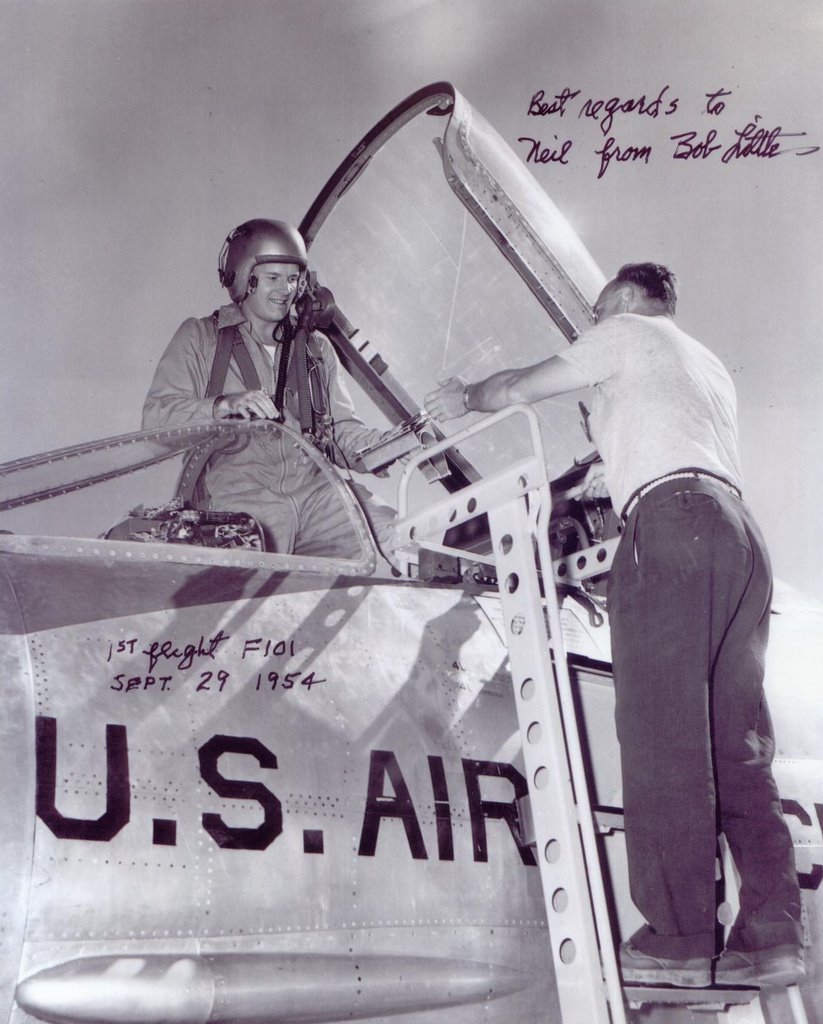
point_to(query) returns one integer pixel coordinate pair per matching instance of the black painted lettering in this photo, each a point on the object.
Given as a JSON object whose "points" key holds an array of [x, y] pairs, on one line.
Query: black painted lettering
{"points": [[796, 810], [442, 809], [118, 796], [809, 880], [384, 763], [480, 809], [230, 837]]}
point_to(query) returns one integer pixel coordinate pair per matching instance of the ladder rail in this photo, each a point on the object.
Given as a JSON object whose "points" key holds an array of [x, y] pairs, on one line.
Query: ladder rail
{"points": [[575, 751], [567, 874], [518, 504]]}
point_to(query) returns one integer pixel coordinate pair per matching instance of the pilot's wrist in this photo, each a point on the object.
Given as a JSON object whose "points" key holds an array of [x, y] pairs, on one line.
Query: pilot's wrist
{"points": [[218, 409]]}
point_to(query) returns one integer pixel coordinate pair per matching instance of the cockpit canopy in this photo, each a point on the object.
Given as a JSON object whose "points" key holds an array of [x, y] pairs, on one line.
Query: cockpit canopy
{"points": [[445, 257]]}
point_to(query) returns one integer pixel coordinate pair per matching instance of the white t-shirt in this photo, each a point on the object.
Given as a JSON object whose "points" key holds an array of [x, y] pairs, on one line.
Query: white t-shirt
{"points": [[662, 402]]}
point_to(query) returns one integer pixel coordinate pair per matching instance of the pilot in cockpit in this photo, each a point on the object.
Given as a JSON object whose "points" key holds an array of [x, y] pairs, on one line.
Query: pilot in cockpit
{"points": [[240, 362]]}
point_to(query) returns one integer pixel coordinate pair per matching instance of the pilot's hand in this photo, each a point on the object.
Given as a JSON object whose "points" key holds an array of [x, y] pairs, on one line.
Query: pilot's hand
{"points": [[245, 404], [447, 402]]}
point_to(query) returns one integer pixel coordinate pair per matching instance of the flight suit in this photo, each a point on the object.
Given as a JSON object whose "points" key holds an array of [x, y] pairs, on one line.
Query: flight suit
{"points": [[271, 478]]}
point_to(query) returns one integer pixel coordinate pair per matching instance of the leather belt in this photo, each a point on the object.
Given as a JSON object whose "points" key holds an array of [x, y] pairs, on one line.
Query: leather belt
{"points": [[684, 474]]}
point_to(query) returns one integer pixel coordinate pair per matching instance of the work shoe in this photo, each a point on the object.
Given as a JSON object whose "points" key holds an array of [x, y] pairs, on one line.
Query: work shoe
{"points": [[645, 969], [774, 967]]}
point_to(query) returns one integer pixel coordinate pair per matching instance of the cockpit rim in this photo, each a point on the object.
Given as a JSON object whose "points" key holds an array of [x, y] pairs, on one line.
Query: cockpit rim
{"points": [[177, 439]]}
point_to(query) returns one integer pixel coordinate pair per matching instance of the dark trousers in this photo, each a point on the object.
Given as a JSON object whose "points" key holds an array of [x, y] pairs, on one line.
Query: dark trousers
{"points": [[689, 599]]}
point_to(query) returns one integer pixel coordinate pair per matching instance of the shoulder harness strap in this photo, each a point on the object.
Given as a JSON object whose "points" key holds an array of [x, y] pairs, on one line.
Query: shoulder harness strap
{"points": [[230, 345]]}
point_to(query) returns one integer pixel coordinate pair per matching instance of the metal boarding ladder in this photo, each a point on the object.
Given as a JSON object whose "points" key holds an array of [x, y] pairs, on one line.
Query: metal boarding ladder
{"points": [[517, 502]]}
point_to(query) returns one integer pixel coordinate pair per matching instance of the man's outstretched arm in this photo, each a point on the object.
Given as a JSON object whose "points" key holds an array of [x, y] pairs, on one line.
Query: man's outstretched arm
{"points": [[553, 376]]}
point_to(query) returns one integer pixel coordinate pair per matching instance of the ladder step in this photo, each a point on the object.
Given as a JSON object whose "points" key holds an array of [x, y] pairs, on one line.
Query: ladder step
{"points": [[719, 999], [608, 820]]}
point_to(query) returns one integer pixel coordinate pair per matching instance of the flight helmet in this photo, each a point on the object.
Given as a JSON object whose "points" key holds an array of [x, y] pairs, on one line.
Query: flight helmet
{"points": [[255, 242]]}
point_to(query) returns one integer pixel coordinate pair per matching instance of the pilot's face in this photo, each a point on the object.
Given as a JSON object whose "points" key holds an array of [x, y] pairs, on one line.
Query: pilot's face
{"points": [[276, 290], [609, 302]]}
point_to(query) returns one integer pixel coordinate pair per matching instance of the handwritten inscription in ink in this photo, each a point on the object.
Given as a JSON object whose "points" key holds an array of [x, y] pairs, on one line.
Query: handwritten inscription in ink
{"points": [[163, 665], [753, 140]]}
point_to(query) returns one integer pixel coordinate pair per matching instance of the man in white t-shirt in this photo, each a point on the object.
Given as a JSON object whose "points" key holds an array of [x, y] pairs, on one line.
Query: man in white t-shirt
{"points": [[689, 598]]}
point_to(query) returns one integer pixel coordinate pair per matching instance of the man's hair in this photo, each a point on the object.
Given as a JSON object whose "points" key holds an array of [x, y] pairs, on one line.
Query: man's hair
{"points": [[657, 281]]}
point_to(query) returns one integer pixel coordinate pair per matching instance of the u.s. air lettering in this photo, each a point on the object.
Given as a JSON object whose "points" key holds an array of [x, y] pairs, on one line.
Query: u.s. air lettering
{"points": [[393, 795], [393, 800]]}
